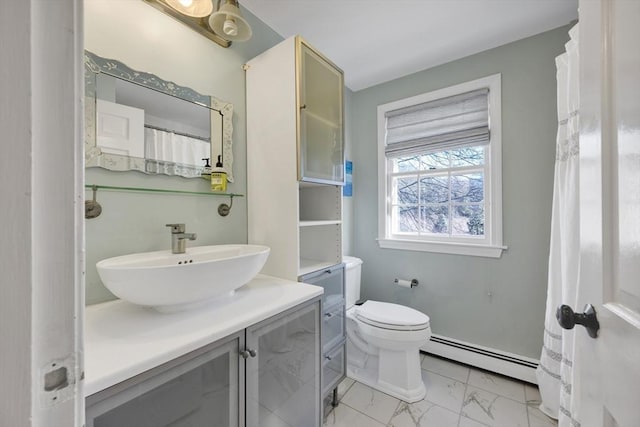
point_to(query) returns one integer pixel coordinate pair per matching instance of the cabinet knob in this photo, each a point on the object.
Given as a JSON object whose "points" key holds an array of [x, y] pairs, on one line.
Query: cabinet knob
{"points": [[328, 315], [303, 106], [328, 358], [248, 353]]}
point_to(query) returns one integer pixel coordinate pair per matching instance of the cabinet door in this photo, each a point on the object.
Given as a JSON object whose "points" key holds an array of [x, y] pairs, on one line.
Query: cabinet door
{"points": [[200, 389], [321, 137], [283, 378]]}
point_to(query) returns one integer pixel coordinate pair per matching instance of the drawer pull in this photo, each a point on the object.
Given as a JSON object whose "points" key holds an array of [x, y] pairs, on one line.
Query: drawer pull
{"points": [[328, 315], [327, 271]]}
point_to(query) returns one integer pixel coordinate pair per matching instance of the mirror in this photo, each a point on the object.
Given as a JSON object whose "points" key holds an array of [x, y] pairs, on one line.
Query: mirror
{"points": [[137, 121]]}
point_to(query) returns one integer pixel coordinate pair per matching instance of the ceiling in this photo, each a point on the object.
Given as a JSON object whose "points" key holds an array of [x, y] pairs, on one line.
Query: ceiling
{"points": [[375, 41]]}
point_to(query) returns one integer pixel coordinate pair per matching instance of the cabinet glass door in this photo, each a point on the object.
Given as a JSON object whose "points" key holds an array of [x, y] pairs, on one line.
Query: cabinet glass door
{"points": [[200, 389], [321, 149], [283, 378]]}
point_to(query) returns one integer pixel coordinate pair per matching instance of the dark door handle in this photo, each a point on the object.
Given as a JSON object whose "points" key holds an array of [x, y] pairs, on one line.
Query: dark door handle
{"points": [[568, 319]]}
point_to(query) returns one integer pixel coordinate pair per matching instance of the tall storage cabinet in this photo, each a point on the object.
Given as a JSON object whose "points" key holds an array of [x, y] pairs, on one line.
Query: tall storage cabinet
{"points": [[295, 173], [295, 158]]}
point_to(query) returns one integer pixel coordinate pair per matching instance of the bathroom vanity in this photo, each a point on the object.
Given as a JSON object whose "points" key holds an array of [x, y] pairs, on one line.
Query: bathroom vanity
{"points": [[249, 359]]}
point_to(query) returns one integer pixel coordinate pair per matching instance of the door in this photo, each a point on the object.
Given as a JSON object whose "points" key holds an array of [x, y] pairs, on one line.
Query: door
{"points": [[120, 129], [283, 369], [609, 377]]}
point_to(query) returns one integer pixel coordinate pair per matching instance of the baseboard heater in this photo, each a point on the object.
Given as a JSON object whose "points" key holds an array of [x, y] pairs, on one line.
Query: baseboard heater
{"points": [[501, 362]]}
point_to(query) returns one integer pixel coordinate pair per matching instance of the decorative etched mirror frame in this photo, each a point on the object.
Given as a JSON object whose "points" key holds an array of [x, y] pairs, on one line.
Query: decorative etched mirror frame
{"points": [[94, 157]]}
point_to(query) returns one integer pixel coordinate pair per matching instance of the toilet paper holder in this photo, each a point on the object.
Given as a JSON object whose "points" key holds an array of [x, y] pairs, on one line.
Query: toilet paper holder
{"points": [[413, 283]]}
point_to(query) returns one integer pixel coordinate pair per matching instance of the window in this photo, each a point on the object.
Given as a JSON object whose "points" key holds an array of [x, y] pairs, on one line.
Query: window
{"points": [[439, 171]]}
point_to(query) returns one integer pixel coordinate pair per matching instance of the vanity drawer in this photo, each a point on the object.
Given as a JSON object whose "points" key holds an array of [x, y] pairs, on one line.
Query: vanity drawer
{"points": [[333, 326], [333, 369], [332, 280]]}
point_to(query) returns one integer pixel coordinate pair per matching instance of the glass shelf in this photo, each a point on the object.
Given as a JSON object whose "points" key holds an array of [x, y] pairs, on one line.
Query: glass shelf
{"points": [[93, 209], [159, 190]]}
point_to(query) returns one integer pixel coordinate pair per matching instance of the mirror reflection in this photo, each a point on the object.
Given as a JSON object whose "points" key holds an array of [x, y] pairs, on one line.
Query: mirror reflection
{"points": [[137, 121]]}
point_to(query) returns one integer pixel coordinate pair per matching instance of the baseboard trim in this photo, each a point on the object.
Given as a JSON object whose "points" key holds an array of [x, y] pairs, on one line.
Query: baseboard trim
{"points": [[501, 362]]}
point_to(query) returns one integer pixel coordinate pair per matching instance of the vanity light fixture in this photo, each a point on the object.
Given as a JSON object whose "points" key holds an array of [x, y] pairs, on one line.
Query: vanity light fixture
{"points": [[222, 24], [193, 8], [228, 23]]}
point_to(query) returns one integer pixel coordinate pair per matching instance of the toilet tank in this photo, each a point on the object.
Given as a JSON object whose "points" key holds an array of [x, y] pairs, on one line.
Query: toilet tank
{"points": [[352, 274]]}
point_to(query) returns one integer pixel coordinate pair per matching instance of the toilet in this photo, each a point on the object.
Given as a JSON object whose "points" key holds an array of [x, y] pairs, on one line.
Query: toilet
{"points": [[383, 341]]}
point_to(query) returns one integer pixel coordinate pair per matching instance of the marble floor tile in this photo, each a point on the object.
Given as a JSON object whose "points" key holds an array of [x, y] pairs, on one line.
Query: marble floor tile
{"points": [[468, 422], [269, 419], [344, 416], [532, 394], [443, 391], [445, 367], [344, 387], [375, 404], [537, 418], [493, 410], [498, 384], [423, 414]]}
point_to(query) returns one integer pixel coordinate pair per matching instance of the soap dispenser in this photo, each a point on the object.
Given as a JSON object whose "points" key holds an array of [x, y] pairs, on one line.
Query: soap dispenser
{"points": [[218, 177], [206, 169]]}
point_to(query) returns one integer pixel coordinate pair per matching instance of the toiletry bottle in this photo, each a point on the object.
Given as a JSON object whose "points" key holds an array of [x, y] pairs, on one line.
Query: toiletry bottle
{"points": [[218, 177], [206, 170]]}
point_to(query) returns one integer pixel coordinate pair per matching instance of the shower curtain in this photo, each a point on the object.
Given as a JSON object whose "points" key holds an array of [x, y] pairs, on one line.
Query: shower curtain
{"points": [[558, 363]]}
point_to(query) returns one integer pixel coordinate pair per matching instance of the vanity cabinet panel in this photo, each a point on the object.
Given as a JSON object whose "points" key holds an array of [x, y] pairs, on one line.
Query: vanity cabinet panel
{"points": [[200, 389], [283, 378], [295, 158]]}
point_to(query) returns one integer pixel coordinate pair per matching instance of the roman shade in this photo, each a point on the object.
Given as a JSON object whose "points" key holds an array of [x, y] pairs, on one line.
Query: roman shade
{"points": [[448, 123]]}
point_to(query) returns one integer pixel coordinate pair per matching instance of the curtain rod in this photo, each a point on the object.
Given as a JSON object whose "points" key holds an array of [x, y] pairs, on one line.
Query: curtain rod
{"points": [[178, 133]]}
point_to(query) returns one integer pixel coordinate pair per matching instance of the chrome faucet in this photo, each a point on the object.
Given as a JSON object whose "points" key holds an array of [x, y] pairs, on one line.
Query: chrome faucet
{"points": [[179, 238]]}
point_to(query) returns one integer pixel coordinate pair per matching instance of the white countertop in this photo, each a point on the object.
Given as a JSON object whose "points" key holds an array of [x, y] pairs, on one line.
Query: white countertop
{"points": [[122, 340]]}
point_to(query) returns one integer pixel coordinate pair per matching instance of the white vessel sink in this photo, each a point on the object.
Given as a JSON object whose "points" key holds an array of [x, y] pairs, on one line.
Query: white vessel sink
{"points": [[175, 282]]}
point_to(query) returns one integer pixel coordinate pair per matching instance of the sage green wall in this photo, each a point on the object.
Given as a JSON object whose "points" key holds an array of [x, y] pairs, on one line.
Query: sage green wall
{"points": [[347, 202], [497, 303], [147, 40]]}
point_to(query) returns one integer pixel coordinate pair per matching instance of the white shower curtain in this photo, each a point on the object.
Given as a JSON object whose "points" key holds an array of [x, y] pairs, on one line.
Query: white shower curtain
{"points": [[555, 373]]}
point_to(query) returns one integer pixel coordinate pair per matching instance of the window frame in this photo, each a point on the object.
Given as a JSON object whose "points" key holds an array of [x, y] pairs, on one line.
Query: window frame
{"points": [[491, 245]]}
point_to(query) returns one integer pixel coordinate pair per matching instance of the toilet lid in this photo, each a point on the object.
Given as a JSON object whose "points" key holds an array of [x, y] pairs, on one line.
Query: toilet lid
{"points": [[394, 316]]}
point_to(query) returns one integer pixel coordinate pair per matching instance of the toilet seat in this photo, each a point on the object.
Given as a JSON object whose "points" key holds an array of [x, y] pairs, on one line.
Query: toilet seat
{"points": [[391, 316]]}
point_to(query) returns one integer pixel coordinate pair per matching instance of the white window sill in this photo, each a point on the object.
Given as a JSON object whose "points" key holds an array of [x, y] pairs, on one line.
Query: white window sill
{"points": [[443, 247]]}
